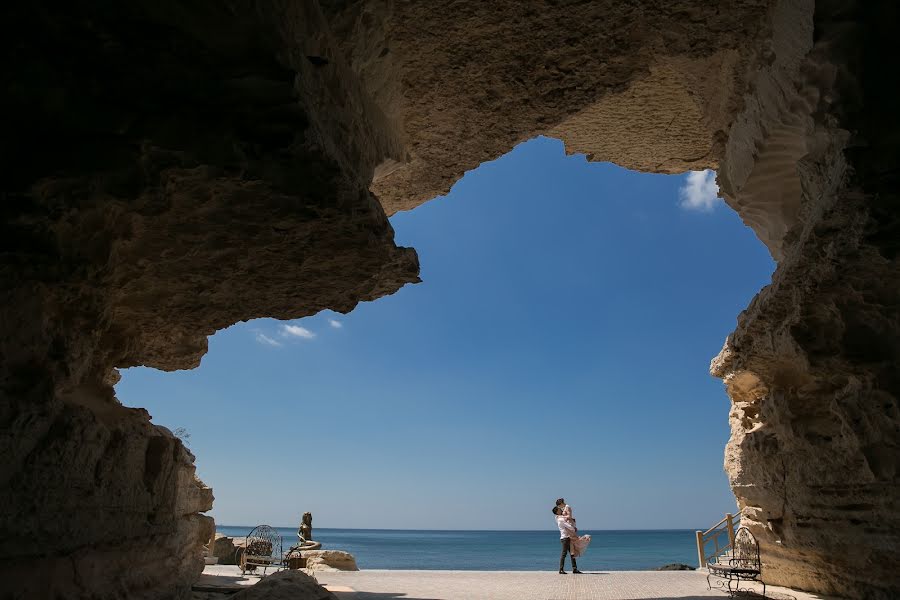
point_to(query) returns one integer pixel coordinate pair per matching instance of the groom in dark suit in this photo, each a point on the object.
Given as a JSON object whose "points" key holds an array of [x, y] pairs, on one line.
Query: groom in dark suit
{"points": [[566, 532]]}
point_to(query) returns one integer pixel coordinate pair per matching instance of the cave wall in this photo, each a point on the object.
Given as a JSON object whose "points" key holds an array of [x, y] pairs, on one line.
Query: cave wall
{"points": [[175, 167], [812, 366], [169, 169], [650, 85], [786, 100], [101, 503], [776, 96]]}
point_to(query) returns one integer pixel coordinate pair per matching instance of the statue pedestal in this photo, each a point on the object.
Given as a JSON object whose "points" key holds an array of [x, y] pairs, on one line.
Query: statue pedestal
{"points": [[295, 558]]}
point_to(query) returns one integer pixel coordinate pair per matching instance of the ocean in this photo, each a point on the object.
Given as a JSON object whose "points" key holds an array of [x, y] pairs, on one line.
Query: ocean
{"points": [[634, 550]]}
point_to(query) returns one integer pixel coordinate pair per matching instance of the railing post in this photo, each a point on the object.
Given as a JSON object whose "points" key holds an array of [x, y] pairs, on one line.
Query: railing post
{"points": [[701, 557], [729, 518]]}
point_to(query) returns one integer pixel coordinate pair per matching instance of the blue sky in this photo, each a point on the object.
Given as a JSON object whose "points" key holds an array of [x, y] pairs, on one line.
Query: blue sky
{"points": [[558, 345]]}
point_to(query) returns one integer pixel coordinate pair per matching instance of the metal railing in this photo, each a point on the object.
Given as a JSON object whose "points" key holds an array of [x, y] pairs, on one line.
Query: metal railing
{"points": [[721, 536]]}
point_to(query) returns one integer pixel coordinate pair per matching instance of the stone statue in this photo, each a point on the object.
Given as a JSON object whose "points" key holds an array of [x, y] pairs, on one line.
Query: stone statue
{"points": [[305, 531]]}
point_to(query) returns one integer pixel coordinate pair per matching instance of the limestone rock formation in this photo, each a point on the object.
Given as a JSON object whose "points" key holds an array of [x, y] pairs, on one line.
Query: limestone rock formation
{"points": [[812, 366], [329, 560], [172, 168], [806, 153], [225, 549], [123, 503], [285, 585], [649, 85]]}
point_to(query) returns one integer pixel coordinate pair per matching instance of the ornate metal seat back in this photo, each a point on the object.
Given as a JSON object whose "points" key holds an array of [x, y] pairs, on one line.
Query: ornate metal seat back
{"points": [[743, 567], [263, 541], [745, 553], [263, 549]]}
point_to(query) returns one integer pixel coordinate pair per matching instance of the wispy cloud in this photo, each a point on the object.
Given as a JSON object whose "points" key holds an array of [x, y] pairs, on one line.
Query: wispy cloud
{"points": [[266, 340], [699, 191], [297, 331], [335, 323]]}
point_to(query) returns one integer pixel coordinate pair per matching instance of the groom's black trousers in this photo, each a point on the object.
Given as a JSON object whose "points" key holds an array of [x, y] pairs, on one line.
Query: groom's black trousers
{"points": [[566, 548]]}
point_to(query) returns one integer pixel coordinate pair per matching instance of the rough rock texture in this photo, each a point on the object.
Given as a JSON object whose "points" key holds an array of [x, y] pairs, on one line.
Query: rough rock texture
{"points": [[788, 105], [285, 585], [329, 560], [225, 549], [174, 167], [169, 169], [122, 504], [812, 367], [650, 85]]}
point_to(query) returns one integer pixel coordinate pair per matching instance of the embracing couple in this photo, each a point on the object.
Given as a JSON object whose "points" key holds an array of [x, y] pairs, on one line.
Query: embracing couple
{"points": [[572, 544]]}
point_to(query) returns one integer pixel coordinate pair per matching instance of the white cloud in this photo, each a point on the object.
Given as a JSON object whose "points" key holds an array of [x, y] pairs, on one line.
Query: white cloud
{"points": [[335, 323], [297, 331], [699, 191], [266, 340]]}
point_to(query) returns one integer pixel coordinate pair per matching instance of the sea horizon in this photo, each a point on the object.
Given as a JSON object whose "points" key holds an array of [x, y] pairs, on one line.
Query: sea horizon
{"points": [[497, 549], [249, 527]]}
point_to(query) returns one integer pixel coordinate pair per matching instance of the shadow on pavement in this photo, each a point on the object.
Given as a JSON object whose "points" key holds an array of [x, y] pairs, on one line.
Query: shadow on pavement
{"points": [[377, 596], [219, 583]]}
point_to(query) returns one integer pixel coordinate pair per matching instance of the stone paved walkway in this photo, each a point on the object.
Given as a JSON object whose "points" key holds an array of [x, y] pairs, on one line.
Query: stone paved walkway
{"points": [[218, 580], [522, 585]]}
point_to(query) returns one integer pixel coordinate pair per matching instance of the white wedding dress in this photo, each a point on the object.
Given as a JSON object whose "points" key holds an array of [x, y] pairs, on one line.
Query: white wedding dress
{"points": [[578, 543]]}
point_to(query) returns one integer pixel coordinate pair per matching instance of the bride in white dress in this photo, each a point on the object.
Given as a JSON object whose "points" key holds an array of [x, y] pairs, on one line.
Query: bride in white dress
{"points": [[579, 543]]}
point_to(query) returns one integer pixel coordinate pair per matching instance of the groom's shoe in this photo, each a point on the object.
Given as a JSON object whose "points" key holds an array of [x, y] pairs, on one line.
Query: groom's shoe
{"points": [[561, 572], [577, 572]]}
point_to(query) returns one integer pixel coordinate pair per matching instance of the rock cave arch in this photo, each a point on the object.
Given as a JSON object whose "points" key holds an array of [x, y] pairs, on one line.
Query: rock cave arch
{"points": [[175, 167]]}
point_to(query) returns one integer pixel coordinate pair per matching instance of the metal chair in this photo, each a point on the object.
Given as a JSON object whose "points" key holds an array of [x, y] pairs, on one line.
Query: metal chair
{"points": [[264, 549], [744, 564]]}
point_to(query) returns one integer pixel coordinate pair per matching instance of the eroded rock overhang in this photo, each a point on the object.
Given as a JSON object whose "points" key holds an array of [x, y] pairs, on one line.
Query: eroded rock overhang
{"points": [[171, 169], [785, 101], [176, 167]]}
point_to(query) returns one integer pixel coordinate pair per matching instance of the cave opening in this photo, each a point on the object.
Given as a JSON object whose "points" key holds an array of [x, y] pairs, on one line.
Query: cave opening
{"points": [[174, 170], [603, 313]]}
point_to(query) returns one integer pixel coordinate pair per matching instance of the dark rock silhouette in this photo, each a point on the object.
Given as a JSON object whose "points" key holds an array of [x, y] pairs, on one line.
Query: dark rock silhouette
{"points": [[173, 168]]}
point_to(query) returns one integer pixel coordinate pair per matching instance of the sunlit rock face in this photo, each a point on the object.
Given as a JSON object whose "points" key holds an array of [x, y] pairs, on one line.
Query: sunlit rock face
{"points": [[649, 85], [653, 86], [812, 368], [770, 95], [173, 168]]}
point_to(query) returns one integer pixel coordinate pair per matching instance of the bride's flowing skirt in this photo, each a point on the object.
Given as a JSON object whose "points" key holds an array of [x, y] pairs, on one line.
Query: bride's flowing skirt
{"points": [[579, 544]]}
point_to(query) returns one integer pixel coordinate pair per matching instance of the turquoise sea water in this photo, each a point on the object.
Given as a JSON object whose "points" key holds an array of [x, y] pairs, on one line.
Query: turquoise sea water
{"points": [[497, 550]]}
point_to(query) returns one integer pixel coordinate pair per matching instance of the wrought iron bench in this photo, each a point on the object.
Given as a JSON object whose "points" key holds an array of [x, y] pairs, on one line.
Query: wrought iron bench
{"points": [[263, 549], [743, 564]]}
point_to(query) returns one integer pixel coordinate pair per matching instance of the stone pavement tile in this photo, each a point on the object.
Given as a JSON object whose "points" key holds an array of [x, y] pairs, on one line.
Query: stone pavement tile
{"points": [[507, 585], [498, 585]]}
